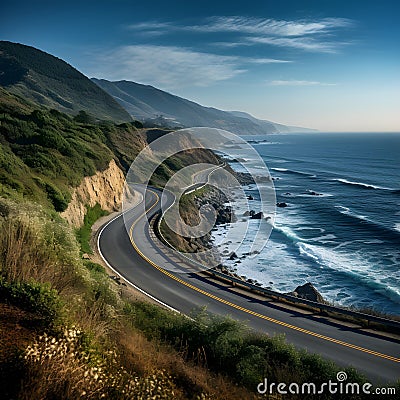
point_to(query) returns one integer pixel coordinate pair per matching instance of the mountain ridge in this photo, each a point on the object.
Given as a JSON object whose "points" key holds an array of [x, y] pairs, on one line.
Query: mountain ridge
{"points": [[50, 81], [152, 105]]}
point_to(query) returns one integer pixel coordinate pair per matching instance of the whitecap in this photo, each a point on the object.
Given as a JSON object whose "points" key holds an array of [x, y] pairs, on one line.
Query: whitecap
{"points": [[362, 184]]}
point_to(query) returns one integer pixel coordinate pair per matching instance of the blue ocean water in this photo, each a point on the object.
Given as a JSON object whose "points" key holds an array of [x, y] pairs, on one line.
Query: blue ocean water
{"points": [[341, 229]]}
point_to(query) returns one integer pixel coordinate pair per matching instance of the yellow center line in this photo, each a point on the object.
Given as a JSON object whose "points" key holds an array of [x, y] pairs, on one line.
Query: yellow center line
{"points": [[237, 307]]}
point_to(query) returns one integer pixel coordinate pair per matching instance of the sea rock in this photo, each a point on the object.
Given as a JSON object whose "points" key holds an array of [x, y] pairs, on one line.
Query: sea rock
{"points": [[258, 215], [308, 292], [233, 256], [244, 178], [312, 193], [281, 205], [262, 179]]}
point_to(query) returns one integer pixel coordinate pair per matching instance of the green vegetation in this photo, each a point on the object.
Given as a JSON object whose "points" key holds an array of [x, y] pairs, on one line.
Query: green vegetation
{"points": [[35, 297], [47, 80], [84, 232], [227, 346], [43, 153]]}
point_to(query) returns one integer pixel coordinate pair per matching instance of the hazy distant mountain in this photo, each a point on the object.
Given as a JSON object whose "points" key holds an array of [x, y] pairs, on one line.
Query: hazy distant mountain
{"points": [[47, 80], [147, 103], [268, 124]]}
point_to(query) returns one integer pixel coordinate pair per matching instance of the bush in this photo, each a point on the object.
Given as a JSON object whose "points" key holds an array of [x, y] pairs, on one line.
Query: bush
{"points": [[34, 297], [84, 232], [37, 246], [73, 373], [229, 347], [84, 118], [59, 200]]}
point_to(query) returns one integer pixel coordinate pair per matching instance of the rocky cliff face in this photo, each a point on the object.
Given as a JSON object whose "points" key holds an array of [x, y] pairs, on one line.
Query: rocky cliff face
{"points": [[105, 188]]}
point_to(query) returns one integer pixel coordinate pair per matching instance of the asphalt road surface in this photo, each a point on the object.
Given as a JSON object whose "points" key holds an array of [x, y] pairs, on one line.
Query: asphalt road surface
{"points": [[142, 260]]}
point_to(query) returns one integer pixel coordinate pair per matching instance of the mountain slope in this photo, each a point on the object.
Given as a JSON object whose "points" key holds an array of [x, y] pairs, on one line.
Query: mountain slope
{"points": [[150, 104], [268, 124], [47, 80]]}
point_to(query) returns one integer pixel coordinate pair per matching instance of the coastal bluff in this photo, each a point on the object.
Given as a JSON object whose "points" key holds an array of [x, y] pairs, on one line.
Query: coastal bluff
{"points": [[104, 188]]}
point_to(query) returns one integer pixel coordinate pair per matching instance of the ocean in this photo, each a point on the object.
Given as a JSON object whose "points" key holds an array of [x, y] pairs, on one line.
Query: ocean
{"points": [[341, 227]]}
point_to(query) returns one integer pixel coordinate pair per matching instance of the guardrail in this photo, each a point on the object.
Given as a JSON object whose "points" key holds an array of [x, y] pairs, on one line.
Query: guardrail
{"points": [[312, 304]]}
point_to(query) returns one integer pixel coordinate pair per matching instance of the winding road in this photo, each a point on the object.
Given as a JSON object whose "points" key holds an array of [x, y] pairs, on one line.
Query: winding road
{"points": [[137, 255]]}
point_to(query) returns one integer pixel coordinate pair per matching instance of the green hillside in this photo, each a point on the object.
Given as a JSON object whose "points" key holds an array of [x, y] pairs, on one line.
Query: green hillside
{"points": [[47, 80], [44, 152]]}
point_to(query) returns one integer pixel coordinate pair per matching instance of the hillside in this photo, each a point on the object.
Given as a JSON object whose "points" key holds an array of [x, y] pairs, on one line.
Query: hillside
{"points": [[153, 105], [45, 153], [49, 81]]}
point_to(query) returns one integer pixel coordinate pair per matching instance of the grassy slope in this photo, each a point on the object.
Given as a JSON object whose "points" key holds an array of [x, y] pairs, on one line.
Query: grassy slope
{"points": [[47, 80], [45, 152]]}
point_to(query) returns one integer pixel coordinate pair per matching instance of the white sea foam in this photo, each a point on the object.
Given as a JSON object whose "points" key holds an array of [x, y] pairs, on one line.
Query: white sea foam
{"points": [[355, 267], [327, 237], [279, 169], [347, 211], [292, 171], [301, 251], [362, 184]]}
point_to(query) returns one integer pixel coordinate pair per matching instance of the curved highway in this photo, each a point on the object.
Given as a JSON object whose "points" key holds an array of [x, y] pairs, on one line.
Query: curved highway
{"points": [[143, 261]]}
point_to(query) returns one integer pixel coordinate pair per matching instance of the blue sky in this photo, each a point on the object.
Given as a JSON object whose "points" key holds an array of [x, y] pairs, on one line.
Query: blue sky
{"points": [[330, 65]]}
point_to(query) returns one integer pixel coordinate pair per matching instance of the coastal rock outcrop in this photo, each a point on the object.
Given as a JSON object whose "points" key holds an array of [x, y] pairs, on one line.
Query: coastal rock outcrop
{"points": [[259, 215], [105, 188], [308, 292]]}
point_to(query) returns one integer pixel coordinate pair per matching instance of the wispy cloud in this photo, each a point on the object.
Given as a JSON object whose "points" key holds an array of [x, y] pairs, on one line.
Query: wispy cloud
{"points": [[150, 25], [298, 83], [170, 67], [268, 26], [151, 28], [303, 43], [263, 60], [308, 35]]}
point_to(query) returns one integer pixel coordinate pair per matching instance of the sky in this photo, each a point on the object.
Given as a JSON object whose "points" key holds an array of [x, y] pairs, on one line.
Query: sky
{"points": [[332, 65]]}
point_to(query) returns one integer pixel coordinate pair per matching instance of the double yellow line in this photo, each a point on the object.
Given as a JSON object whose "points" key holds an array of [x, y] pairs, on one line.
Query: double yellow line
{"points": [[237, 307]]}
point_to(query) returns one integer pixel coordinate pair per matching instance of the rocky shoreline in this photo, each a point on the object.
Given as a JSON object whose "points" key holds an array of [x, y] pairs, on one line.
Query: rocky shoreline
{"points": [[224, 215]]}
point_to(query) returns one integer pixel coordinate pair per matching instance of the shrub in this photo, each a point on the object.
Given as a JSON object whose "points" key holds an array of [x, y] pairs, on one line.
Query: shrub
{"points": [[229, 347], [59, 200], [84, 232], [60, 368], [37, 246], [32, 296]]}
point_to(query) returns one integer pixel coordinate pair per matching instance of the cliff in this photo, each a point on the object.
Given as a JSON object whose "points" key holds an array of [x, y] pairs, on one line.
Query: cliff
{"points": [[104, 188]]}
